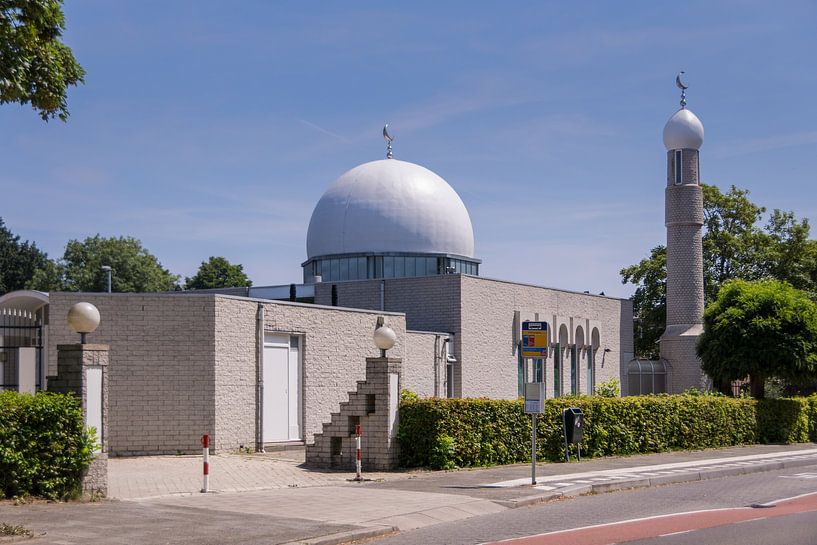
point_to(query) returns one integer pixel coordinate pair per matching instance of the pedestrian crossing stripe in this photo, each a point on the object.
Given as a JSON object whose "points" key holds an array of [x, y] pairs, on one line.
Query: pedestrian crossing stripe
{"points": [[800, 476]]}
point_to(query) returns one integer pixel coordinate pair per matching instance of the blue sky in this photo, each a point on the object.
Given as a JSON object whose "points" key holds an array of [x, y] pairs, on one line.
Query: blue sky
{"points": [[212, 128]]}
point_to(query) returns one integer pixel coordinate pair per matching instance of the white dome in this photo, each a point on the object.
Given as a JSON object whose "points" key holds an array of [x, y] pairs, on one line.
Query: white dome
{"points": [[390, 206], [683, 131]]}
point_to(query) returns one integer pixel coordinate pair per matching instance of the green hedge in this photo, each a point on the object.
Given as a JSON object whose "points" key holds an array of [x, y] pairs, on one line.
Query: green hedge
{"points": [[44, 447], [812, 418], [446, 433]]}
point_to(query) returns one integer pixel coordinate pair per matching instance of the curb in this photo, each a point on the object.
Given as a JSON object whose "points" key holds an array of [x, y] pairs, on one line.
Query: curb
{"points": [[647, 482], [692, 476], [346, 537]]}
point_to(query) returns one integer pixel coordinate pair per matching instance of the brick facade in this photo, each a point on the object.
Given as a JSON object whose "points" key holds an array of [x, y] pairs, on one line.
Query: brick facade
{"points": [[162, 374], [185, 365], [684, 218], [479, 313]]}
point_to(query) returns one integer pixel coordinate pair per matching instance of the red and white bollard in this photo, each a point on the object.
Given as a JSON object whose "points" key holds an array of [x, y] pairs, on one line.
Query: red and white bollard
{"points": [[205, 447], [358, 433]]}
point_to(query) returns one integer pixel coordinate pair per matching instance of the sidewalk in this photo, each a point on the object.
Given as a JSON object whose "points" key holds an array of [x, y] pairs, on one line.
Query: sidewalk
{"points": [[270, 499]]}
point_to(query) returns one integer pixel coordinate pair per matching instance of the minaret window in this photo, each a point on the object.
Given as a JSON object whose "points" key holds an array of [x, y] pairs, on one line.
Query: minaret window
{"points": [[679, 170]]}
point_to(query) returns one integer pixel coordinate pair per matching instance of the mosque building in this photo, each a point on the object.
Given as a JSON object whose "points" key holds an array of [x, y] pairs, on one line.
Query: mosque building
{"points": [[390, 241]]}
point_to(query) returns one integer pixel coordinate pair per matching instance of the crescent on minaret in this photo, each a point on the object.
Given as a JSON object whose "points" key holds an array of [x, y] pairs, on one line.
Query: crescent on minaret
{"points": [[678, 82]]}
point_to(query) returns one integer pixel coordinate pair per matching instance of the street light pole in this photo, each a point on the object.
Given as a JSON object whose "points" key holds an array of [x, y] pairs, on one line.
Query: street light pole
{"points": [[109, 270]]}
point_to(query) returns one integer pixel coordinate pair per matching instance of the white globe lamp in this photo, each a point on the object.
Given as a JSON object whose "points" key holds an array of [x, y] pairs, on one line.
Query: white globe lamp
{"points": [[83, 318], [384, 339]]}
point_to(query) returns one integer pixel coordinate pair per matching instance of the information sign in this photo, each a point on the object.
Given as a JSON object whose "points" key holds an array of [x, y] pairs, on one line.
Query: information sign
{"points": [[534, 339]]}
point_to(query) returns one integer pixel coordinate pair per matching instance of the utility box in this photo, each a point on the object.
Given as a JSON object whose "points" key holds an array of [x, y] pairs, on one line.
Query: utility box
{"points": [[534, 397], [574, 425]]}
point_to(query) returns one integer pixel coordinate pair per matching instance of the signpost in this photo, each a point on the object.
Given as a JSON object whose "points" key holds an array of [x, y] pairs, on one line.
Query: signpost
{"points": [[534, 405], [534, 345]]}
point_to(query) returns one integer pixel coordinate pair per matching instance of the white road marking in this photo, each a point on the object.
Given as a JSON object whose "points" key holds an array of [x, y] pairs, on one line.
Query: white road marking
{"points": [[620, 522], [800, 476], [676, 533], [775, 502]]}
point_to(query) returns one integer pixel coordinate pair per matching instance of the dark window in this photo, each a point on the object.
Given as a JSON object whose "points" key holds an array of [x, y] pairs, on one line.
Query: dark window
{"points": [[557, 370], [399, 266], [388, 266], [679, 167], [336, 446]]}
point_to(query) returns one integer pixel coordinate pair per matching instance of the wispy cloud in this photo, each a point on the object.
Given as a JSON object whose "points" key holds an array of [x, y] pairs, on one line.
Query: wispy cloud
{"points": [[327, 132], [768, 143]]}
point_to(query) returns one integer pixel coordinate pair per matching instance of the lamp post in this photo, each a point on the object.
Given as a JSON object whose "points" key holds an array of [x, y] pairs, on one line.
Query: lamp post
{"points": [[83, 318], [109, 270]]}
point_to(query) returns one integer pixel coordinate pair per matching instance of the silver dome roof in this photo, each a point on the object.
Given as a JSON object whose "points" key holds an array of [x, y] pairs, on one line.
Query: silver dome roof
{"points": [[390, 206]]}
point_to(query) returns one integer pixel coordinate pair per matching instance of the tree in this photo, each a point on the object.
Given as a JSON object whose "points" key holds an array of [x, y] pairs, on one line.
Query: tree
{"points": [[18, 260], [80, 269], [734, 246], [217, 272], [35, 66], [649, 300], [732, 241], [759, 330]]}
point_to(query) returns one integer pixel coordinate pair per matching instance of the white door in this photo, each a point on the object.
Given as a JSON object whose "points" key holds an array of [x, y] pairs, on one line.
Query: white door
{"points": [[282, 399]]}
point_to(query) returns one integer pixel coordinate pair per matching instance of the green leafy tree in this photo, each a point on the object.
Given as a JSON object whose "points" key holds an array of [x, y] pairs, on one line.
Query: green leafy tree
{"points": [[35, 66], [764, 329], [734, 246], [217, 272], [649, 300], [732, 242], [18, 260], [80, 269]]}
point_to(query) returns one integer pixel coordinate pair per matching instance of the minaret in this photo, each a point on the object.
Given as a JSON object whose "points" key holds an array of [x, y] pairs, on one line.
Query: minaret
{"points": [[684, 218]]}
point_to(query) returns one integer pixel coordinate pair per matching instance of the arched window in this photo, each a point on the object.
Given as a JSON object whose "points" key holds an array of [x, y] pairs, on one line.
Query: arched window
{"points": [[578, 346], [595, 342]]}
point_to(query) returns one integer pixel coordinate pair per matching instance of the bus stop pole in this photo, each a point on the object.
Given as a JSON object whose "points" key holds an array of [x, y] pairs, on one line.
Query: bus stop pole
{"points": [[533, 449]]}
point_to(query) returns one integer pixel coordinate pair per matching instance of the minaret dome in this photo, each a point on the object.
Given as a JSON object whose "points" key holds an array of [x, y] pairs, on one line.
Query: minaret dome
{"points": [[683, 131]]}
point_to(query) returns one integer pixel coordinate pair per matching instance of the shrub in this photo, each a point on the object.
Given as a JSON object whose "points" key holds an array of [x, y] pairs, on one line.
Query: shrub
{"points": [[812, 417], [44, 446], [610, 388], [445, 433], [783, 420]]}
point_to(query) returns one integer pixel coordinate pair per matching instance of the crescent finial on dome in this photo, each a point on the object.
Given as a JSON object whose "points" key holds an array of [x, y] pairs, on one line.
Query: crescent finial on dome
{"points": [[683, 88], [388, 138]]}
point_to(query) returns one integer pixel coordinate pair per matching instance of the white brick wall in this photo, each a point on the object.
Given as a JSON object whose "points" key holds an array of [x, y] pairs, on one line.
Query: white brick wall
{"points": [[479, 312], [336, 343], [161, 373], [489, 360], [418, 363]]}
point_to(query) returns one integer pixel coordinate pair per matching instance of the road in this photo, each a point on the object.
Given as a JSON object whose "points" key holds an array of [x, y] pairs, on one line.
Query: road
{"points": [[712, 511]]}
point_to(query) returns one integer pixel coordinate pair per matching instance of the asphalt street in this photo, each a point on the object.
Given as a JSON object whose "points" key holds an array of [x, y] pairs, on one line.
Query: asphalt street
{"points": [[729, 492]]}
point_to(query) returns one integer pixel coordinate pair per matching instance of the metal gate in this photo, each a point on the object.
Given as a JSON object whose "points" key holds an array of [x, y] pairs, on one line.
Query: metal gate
{"points": [[21, 348]]}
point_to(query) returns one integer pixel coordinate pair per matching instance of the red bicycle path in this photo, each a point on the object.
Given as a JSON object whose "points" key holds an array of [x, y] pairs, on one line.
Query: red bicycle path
{"points": [[661, 525]]}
